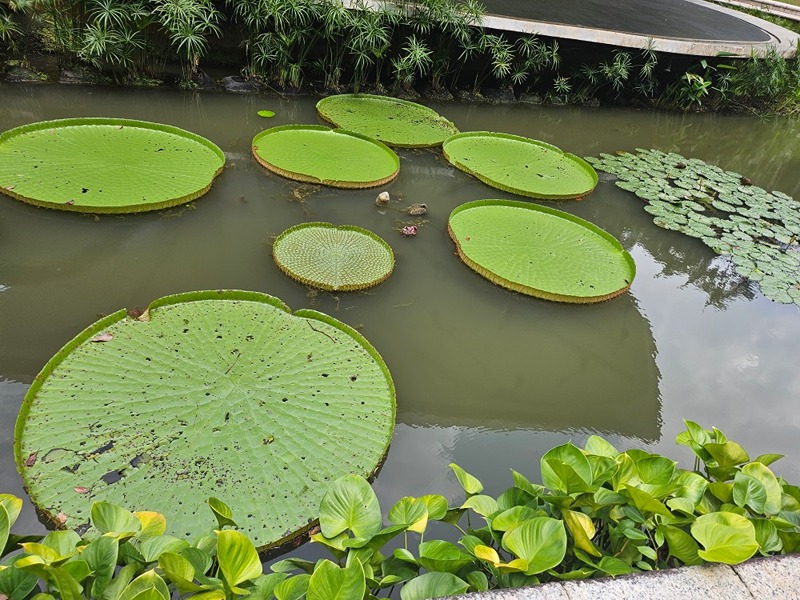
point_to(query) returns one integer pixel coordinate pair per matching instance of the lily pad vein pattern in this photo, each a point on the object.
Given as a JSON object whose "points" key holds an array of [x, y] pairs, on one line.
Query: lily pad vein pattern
{"points": [[224, 394]]}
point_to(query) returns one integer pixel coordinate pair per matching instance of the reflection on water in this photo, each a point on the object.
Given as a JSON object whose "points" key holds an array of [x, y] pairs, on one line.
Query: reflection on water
{"points": [[485, 377]]}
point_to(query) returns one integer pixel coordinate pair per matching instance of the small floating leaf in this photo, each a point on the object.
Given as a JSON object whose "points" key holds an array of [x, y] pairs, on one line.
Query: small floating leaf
{"points": [[267, 114], [333, 258]]}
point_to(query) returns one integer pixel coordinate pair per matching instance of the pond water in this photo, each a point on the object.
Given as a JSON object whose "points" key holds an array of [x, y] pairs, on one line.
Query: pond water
{"points": [[485, 378]]}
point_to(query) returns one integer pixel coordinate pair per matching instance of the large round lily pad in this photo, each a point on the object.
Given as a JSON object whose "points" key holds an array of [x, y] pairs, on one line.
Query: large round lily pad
{"points": [[317, 154], [392, 121], [521, 165], [218, 393], [101, 165], [333, 258], [540, 251]]}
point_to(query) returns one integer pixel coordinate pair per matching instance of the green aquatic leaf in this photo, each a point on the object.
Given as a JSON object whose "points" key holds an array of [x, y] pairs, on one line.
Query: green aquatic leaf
{"points": [[284, 402], [392, 121], [540, 251], [267, 114], [317, 154], [332, 258], [726, 537], [541, 543], [331, 582], [433, 585], [350, 504], [100, 165], [521, 165]]}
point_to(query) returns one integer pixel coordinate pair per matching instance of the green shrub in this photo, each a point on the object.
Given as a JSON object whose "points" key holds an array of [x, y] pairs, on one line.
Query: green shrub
{"points": [[599, 512]]}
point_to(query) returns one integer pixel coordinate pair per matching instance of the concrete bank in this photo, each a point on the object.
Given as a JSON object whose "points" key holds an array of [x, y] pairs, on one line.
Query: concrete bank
{"points": [[776, 577]]}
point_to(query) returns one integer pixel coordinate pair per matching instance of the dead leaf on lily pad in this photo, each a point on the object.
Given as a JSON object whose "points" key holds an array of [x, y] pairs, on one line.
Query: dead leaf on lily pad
{"points": [[103, 337], [31, 460], [81, 490]]}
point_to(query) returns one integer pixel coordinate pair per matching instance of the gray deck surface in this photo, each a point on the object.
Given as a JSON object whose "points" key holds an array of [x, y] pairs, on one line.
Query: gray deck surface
{"points": [[653, 18]]}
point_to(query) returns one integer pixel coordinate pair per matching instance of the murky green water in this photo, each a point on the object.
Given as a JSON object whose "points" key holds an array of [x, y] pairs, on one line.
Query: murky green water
{"points": [[485, 378]]}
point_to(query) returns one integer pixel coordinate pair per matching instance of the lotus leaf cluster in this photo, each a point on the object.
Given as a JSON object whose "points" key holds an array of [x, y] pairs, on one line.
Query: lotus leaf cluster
{"points": [[540, 251], [101, 165], [521, 165], [318, 154], [218, 393], [392, 121], [758, 229], [333, 258]]}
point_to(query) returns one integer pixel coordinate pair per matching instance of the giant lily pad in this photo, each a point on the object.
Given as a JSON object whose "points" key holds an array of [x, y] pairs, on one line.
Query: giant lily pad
{"points": [[390, 120], [101, 165], [218, 393], [317, 154], [540, 251], [333, 258], [759, 230], [521, 165]]}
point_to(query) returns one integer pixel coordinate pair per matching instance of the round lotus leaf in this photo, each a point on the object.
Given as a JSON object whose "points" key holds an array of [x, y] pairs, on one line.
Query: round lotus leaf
{"points": [[540, 251], [219, 393], [333, 258], [334, 157], [390, 120], [101, 165], [521, 165]]}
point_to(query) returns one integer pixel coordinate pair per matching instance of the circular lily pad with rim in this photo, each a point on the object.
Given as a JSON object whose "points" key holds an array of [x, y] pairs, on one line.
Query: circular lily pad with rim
{"points": [[100, 165], [521, 165], [318, 154], [540, 251], [217, 393], [333, 258], [392, 121]]}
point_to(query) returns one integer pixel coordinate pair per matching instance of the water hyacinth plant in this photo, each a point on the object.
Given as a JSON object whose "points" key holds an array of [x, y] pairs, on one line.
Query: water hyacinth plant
{"points": [[598, 512]]}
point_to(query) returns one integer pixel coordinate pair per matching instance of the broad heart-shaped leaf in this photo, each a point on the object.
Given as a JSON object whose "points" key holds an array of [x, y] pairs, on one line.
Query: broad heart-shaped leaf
{"points": [[172, 166], [757, 487], [390, 120], [514, 516], [293, 588], [726, 537], [433, 585], [727, 454], [681, 545], [153, 524], [144, 582], [317, 154], [278, 398], [330, 582], [332, 258], [17, 584], [350, 503], [520, 165], [439, 555], [179, 571], [769, 542], [237, 557], [481, 504], [566, 469], [411, 512], [436, 504], [600, 447], [540, 251], [115, 520], [541, 542]]}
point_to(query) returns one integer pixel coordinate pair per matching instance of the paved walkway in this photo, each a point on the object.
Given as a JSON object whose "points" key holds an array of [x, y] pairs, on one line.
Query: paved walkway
{"points": [[774, 578], [692, 27]]}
